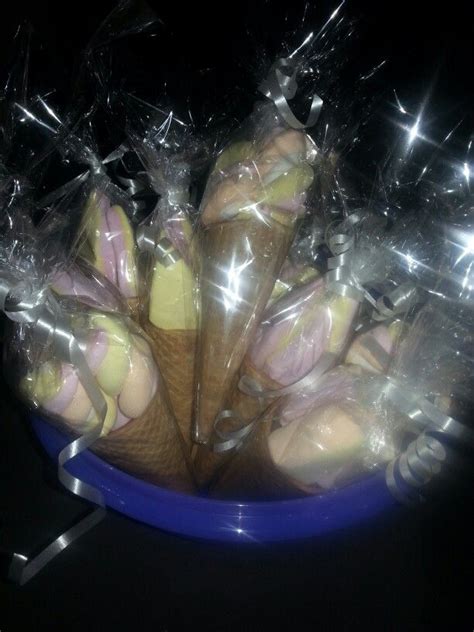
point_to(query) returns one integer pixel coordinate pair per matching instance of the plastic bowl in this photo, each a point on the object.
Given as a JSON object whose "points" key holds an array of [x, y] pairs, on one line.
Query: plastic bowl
{"points": [[227, 521]]}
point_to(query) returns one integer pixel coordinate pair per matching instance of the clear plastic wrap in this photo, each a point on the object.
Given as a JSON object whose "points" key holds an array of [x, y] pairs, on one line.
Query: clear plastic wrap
{"points": [[310, 441], [41, 293], [435, 359], [98, 214], [106, 238], [250, 208], [262, 186], [373, 349], [168, 280], [311, 326], [246, 316]]}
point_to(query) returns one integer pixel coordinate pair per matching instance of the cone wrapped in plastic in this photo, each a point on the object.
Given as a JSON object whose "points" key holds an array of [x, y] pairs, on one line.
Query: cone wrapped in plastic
{"points": [[139, 434], [311, 441], [306, 327], [252, 202], [170, 317], [149, 447], [168, 281], [208, 465], [251, 473], [96, 214]]}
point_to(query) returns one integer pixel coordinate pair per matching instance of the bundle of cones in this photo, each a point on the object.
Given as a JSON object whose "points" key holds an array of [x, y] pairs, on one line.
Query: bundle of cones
{"points": [[199, 311]]}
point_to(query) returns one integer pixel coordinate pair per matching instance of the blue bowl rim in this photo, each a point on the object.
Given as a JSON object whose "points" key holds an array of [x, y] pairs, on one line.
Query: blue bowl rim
{"points": [[40, 423]]}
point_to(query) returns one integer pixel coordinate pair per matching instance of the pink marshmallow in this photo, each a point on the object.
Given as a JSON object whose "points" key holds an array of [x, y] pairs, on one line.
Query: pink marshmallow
{"points": [[303, 324], [69, 380]]}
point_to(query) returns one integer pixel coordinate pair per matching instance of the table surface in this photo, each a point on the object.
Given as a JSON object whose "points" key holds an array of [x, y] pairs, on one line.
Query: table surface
{"points": [[412, 568]]}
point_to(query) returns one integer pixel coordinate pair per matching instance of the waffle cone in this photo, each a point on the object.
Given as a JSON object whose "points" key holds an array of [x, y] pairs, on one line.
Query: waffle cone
{"points": [[149, 447], [257, 250], [251, 473], [208, 464], [174, 352]]}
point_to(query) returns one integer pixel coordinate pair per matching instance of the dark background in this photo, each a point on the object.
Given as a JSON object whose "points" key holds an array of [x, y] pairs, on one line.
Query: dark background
{"points": [[411, 570]]}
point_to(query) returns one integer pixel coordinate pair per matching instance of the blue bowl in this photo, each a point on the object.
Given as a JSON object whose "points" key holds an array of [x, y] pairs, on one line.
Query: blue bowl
{"points": [[228, 521]]}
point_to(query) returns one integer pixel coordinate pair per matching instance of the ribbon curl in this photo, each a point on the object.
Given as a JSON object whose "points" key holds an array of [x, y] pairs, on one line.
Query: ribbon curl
{"points": [[395, 302], [251, 387], [424, 457], [280, 86], [41, 311], [164, 251], [339, 278]]}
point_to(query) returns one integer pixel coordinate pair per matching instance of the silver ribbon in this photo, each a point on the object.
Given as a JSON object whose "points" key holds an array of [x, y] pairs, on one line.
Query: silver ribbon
{"points": [[162, 249], [42, 312], [415, 468], [233, 438], [395, 302], [136, 183], [424, 457], [251, 387], [339, 278], [280, 86]]}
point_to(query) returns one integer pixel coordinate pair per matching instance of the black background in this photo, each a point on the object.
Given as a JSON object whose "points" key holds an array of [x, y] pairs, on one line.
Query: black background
{"points": [[412, 570]]}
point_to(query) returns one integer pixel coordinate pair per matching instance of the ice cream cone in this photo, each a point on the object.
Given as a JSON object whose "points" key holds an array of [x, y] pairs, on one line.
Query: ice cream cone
{"points": [[139, 433], [174, 351], [232, 302], [149, 448], [250, 208], [169, 317], [208, 464], [252, 475]]}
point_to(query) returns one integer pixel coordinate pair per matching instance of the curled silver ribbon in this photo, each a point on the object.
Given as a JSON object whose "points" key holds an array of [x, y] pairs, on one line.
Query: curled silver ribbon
{"points": [[251, 387], [424, 415], [421, 462], [280, 86], [41, 311], [415, 468], [136, 183], [162, 249], [233, 438], [396, 302], [339, 278]]}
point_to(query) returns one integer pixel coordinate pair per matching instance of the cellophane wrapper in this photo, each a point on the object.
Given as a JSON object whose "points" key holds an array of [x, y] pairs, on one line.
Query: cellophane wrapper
{"points": [[139, 432], [99, 215], [105, 234], [313, 323], [435, 360], [254, 197], [168, 301], [311, 441]]}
